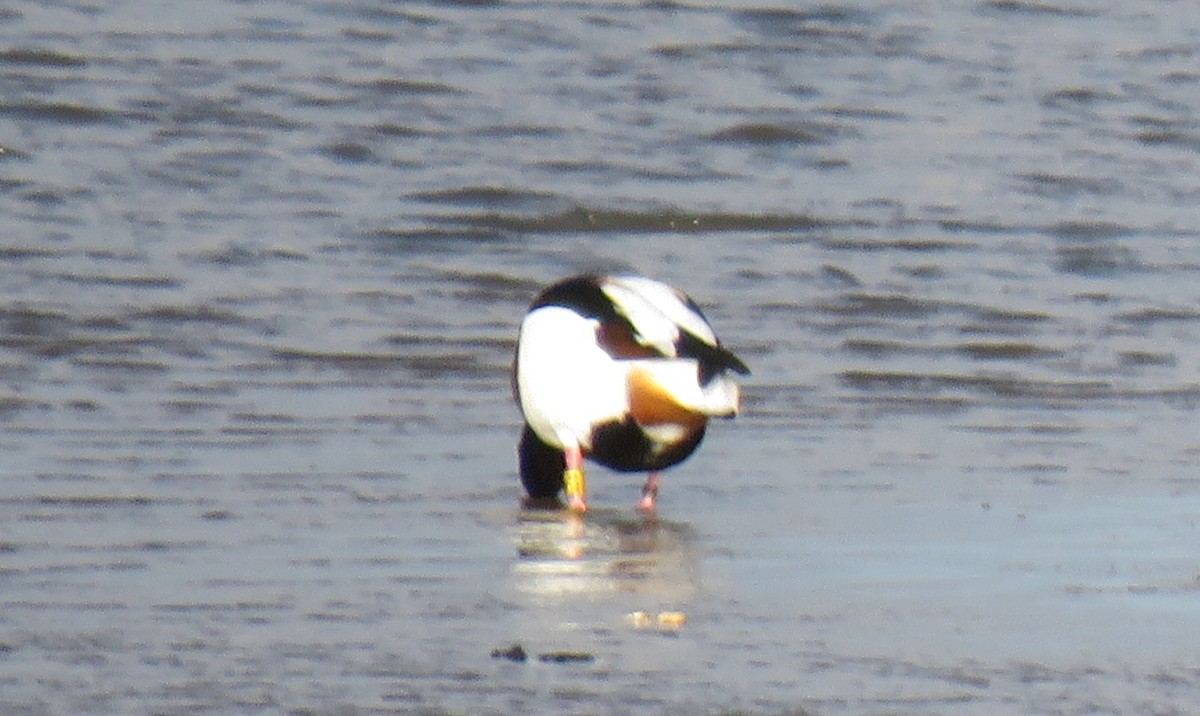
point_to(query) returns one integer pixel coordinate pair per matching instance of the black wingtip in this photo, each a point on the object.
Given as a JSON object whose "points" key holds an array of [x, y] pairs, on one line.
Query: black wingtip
{"points": [[736, 365], [713, 359]]}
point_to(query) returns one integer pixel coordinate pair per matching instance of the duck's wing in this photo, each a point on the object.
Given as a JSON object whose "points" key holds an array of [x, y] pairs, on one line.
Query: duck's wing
{"points": [[669, 322]]}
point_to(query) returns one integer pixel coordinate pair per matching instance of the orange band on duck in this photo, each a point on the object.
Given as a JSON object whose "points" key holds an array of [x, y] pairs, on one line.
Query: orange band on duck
{"points": [[651, 404]]}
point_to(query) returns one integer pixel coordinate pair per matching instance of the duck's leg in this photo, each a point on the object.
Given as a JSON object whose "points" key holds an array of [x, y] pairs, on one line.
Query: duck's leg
{"points": [[573, 480], [649, 492]]}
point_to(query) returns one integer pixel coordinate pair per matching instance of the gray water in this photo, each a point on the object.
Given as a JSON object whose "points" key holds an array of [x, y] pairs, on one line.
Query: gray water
{"points": [[262, 269]]}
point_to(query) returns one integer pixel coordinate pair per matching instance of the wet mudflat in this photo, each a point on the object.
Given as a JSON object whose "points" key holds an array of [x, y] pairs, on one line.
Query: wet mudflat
{"points": [[262, 267]]}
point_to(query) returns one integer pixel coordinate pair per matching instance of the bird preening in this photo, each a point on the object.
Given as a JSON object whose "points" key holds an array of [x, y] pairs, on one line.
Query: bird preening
{"points": [[622, 370]]}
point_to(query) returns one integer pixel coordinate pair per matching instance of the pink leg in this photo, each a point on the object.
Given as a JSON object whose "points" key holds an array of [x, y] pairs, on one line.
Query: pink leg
{"points": [[573, 479], [649, 492]]}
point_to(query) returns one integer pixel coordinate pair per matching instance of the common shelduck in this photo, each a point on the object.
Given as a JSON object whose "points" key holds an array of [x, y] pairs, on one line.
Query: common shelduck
{"points": [[623, 370]]}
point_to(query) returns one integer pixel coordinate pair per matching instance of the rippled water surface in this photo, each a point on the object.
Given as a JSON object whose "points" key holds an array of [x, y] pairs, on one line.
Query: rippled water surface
{"points": [[262, 269]]}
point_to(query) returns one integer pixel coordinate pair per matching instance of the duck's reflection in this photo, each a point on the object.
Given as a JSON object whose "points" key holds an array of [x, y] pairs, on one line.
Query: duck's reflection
{"points": [[561, 552]]}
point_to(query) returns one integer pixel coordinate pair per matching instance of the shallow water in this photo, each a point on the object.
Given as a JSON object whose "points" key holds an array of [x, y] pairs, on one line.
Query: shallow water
{"points": [[263, 265]]}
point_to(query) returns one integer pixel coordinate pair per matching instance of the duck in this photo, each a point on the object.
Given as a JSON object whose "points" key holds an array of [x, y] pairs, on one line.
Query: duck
{"points": [[622, 370]]}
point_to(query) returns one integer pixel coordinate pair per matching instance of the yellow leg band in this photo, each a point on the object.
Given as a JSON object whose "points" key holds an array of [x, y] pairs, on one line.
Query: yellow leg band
{"points": [[573, 481]]}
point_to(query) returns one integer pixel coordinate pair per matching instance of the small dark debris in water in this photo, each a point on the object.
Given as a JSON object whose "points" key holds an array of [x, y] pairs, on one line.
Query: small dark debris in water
{"points": [[516, 652], [566, 657]]}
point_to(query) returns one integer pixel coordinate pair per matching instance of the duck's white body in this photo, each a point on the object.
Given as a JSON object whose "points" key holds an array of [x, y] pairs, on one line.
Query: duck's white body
{"points": [[623, 370], [557, 350]]}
